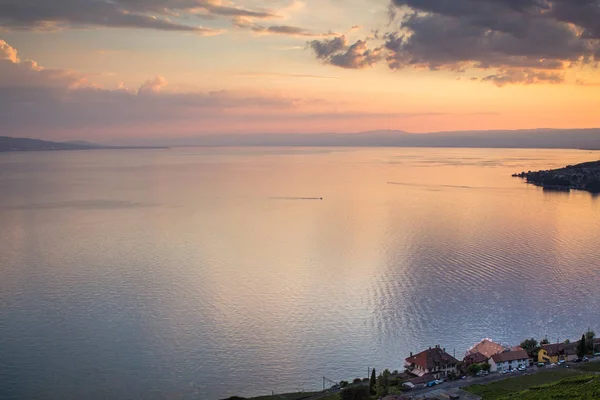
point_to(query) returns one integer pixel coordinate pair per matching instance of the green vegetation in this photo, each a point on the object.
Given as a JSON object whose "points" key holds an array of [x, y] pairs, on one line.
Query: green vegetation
{"points": [[331, 397], [372, 382], [581, 347], [383, 384], [285, 396], [355, 393], [576, 388], [589, 340], [529, 345], [501, 389], [474, 369], [589, 367]]}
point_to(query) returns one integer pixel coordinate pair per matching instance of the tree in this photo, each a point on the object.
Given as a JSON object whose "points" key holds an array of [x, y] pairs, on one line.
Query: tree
{"points": [[544, 341], [486, 367], [529, 345], [372, 382], [355, 393], [381, 389], [567, 341], [581, 347], [344, 384], [589, 340], [474, 369]]}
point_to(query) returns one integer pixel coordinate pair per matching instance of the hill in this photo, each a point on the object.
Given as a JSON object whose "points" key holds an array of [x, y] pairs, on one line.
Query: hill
{"points": [[24, 144], [535, 138]]}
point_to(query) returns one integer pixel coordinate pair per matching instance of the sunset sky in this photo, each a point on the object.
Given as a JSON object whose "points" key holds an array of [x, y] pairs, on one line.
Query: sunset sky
{"points": [[101, 69]]}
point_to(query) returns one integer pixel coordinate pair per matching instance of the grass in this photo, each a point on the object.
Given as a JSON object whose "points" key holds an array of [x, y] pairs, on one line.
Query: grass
{"points": [[501, 389], [589, 367], [285, 396], [582, 387], [331, 397]]}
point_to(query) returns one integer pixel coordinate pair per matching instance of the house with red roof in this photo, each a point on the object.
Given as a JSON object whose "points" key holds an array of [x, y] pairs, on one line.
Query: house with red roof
{"points": [[434, 361]]}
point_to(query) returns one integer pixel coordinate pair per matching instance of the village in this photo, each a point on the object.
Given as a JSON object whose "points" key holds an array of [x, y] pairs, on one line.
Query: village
{"points": [[434, 366]]}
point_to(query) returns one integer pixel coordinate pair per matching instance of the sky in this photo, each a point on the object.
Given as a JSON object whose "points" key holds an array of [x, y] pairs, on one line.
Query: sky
{"points": [[105, 69]]}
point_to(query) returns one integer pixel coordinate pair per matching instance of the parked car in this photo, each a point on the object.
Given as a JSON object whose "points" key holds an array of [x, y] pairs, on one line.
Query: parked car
{"points": [[585, 359], [521, 368], [541, 365], [596, 354], [561, 362], [577, 360], [431, 383]]}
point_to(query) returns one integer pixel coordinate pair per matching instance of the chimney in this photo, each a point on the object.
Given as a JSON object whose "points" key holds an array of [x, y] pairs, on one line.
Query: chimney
{"points": [[411, 354]]}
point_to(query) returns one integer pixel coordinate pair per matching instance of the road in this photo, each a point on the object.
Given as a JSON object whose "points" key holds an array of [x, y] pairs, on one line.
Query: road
{"points": [[482, 380]]}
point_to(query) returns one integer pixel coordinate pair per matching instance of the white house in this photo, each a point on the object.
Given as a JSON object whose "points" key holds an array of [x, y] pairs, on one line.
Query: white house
{"points": [[508, 360]]}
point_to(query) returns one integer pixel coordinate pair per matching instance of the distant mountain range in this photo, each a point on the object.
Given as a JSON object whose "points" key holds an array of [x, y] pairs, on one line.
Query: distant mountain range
{"points": [[537, 138], [24, 144], [586, 139]]}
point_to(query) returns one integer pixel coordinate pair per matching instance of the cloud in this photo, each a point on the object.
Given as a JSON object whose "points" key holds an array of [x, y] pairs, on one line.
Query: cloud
{"points": [[527, 77], [7, 52], [337, 52], [484, 34], [163, 15], [153, 86], [324, 49], [15, 72], [286, 75], [246, 23], [35, 100], [517, 41]]}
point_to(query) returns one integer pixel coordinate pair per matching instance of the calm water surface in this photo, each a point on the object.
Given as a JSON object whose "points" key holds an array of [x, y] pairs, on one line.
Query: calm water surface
{"points": [[200, 273]]}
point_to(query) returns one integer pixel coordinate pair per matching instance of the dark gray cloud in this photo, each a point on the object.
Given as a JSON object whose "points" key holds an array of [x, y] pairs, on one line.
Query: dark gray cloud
{"points": [[148, 14], [583, 13], [245, 23], [518, 41], [488, 34], [337, 52], [326, 48], [526, 77], [288, 30]]}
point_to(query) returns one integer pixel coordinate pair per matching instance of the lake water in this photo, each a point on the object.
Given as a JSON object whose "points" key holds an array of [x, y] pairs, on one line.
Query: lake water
{"points": [[204, 273]]}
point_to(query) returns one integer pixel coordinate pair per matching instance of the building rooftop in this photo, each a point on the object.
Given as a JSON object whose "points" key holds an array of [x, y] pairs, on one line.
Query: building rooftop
{"points": [[431, 358], [475, 358], [487, 347], [510, 356], [555, 349]]}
